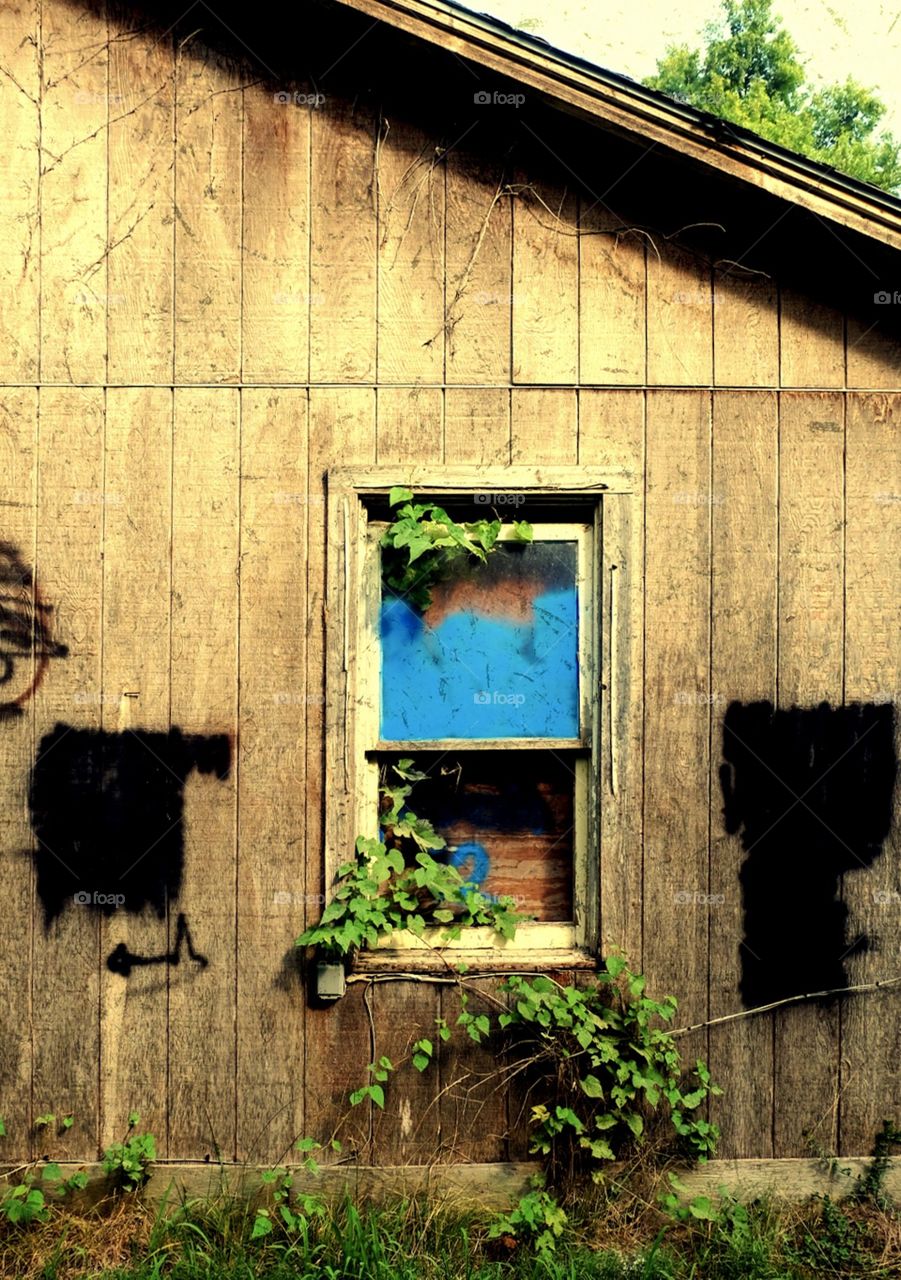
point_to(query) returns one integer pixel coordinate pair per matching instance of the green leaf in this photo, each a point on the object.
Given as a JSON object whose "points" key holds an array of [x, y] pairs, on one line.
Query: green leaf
{"points": [[635, 1123], [399, 494], [701, 1207], [262, 1226], [522, 531], [591, 1086], [377, 1094]]}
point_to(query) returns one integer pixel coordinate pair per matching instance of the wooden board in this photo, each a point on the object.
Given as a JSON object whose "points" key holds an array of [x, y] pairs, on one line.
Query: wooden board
{"points": [[18, 467], [545, 284], [64, 967], [745, 330], [479, 286], [205, 560], [410, 192], [208, 177], [135, 695], [811, 636], [873, 352], [611, 431], [141, 238], [677, 701], [871, 1035], [743, 668], [811, 342], [544, 426], [410, 426], [612, 300], [477, 424], [680, 317], [275, 513], [20, 92], [276, 301], [343, 244], [408, 1131], [74, 287], [337, 1038]]}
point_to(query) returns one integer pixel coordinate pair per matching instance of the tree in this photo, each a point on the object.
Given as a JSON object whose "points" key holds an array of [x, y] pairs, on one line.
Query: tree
{"points": [[750, 73]]}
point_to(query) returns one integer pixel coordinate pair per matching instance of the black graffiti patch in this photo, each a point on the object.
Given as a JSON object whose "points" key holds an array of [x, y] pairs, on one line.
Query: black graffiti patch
{"points": [[810, 789], [121, 960], [107, 812], [26, 643]]}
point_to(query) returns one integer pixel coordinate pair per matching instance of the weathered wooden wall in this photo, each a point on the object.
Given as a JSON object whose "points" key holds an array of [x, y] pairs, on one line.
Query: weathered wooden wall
{"points": [[208, 297]]}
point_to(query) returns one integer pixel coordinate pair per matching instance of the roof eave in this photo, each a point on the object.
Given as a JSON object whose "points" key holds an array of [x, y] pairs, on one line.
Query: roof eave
{"points": [[642, 114]]}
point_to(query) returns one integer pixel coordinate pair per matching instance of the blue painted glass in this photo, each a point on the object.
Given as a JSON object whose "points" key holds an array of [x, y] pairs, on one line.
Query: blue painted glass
{"points": [[496, 655]]}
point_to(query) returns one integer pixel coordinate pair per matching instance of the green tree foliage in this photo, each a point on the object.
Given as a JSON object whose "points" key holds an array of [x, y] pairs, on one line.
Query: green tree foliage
{"points": [[750, 73]]}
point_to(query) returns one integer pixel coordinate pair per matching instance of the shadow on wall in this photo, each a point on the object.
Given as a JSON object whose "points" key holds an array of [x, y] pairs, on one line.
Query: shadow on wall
{"points": [[811, 791], [107, 811]]}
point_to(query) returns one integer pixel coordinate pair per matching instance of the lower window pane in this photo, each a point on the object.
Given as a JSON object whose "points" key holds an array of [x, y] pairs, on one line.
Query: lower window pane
{"points": [[507, 817]]}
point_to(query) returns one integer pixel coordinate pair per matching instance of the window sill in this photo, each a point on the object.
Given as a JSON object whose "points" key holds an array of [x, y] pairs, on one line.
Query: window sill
{"points": [[444, 961]]}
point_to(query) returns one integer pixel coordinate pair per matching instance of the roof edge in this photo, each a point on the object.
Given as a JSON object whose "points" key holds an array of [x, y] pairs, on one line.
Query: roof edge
{"points": [[633, 109]]}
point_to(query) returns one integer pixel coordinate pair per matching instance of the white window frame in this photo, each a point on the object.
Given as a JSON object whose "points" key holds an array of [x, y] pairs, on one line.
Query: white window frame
{"points": [[353, 695]]}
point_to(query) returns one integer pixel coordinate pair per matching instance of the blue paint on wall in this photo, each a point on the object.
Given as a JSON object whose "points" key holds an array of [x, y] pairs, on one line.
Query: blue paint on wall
{"points": [[481, 677], [477, 854]]}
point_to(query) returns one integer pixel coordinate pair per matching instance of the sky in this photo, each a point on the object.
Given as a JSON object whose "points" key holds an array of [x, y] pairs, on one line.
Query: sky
{"points": [[861, 38]]}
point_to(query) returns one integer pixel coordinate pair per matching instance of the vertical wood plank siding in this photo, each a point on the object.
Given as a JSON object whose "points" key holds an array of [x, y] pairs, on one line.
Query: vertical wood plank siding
{"points": [[208, 299]]}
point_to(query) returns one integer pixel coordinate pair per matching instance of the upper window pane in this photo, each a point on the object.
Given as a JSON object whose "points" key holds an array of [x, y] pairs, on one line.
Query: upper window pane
{"points": [[496, 655]]}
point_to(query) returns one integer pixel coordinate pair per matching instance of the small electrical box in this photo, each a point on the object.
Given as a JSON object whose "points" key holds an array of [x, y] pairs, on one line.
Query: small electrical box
{"points": [[331, 982]]}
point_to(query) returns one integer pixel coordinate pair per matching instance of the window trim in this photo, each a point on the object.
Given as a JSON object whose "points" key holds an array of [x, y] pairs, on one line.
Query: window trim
{"points": [[352, 695]]}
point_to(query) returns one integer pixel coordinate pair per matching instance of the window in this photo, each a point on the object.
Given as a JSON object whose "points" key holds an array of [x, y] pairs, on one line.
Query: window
{"points": [[495, 691]]}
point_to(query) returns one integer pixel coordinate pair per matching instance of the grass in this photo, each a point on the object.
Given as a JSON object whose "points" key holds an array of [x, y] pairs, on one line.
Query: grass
{"points": [[622, 1237]]}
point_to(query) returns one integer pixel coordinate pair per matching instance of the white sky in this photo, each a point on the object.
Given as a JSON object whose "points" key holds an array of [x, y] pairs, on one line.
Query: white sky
{"points": [[837, 38]]}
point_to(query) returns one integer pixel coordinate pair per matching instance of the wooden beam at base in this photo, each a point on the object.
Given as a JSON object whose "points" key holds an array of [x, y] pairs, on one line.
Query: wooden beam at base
{"points": [[491, 1187]]}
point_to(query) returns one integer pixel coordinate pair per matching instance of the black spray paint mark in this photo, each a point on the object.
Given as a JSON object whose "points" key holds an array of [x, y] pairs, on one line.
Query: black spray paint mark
{"points": [[107, 809], [26, 645], [121, 960], [811, 791]]}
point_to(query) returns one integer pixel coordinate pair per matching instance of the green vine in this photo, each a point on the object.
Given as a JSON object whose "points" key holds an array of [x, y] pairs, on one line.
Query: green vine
{"points": [[423, 545], [607, 1063], [394, 883]]}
